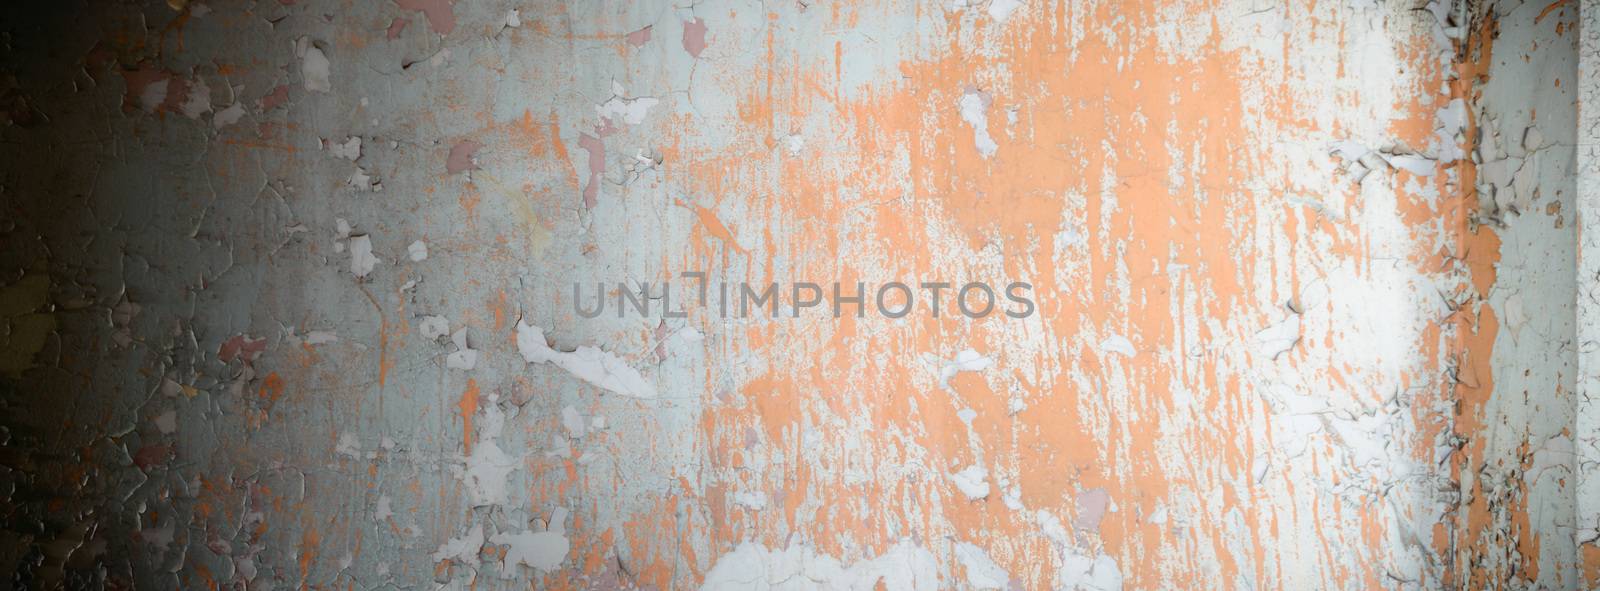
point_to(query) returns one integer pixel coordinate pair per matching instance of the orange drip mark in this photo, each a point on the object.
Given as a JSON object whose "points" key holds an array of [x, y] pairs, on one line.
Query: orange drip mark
{"points": [[715, 226], [271, 387], [1549, 9], [469, 407], [384, 363]]}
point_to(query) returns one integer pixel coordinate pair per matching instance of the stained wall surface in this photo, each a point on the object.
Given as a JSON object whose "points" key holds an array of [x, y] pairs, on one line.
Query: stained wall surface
{"points": [[287, 295]]}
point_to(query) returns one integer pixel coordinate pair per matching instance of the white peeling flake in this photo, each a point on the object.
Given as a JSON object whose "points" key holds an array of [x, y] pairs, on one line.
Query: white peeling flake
{"points": [[199, 100], [463, 549], [433, 327], [1412, 163], [360, 180], [1000, 10], [589, 364], [544, 550], [1118, 344], [361, 259], [488, 466], [349, 445], [228, 116], [974, 106], [418, 251], [314, 71], [573, 422], [972, 481], [320, 337], [349, 150], [464, 358], [167, 422], [152, 95], [631, 110], [967, 360]]}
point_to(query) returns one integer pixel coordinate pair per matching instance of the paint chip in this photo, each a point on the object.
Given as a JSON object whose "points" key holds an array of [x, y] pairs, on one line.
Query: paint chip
{"points": [[461, 157], [227, 116], [542, 550], [1116, 343], [314, 67], [361, 259], [974, 105], [573, 422], [1000, 10], [590, 364], [433, 327], [973, 482], [350, 149], [441, 17], [640, 37], [464, 358], [418, 251], [966, 360], [694, 36]]}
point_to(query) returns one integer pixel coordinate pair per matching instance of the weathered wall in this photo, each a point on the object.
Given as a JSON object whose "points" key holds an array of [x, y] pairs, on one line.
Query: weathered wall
{"points": [[287, 295]]}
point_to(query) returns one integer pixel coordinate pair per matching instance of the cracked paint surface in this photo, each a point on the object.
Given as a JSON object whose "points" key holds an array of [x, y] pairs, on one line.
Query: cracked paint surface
{"points": [[287, 295]]}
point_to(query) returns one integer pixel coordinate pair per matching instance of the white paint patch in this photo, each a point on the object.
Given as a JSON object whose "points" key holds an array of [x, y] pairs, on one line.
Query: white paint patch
{"points": [[229, 116], [349, 150], [361, 259], [967, 360], [349, 445], [974, 106], [167, 422], [463, 550], [618, 106], [1000, 10], [488, 466], [972, 481], [320, 337], [1118, 344], [542, 550], [589, 364], [314, 69], [199, 100], [433, 327], [573, 422], [465, 357], [418, 251]]}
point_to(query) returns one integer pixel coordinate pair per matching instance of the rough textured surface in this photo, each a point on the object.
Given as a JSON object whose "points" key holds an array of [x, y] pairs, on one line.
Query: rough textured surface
{"points": [[286, 294]]}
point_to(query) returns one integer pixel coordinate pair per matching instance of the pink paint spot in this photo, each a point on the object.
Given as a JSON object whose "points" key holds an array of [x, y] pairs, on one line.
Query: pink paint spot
{"points": [[241, 347], [397, 26], [460, 158], [597, 166], [151, 455], [661, 341], [276, 98], [640, 37], [441, 17], [694, 37], [1092, 506], [138, 83]]}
